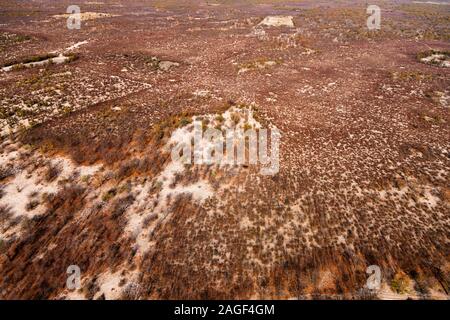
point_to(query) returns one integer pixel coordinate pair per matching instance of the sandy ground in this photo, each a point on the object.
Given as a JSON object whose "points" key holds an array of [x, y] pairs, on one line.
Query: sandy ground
{"points": [[86, 176]]}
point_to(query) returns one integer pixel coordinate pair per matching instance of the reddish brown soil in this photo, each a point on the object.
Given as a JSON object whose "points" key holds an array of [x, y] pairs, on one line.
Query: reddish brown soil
{"points": [[365, 153]]}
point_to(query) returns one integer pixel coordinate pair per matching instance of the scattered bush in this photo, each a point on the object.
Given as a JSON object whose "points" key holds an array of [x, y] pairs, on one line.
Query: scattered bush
{"points": [[5, 213], [121, 205], [165, 127], [149, 219], [220, 118], [85, 179], [32, 205], [205, 123], [400, 283], [132, 291], [72, 57], [127, 169], [235, 117], [5, 173], [18, 67], [425, 54], [109, 195], [185, 121], [52, 172]]}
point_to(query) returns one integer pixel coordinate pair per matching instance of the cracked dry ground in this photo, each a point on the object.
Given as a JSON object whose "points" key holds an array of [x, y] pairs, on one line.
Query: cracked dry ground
{"points": [[364, 156]]}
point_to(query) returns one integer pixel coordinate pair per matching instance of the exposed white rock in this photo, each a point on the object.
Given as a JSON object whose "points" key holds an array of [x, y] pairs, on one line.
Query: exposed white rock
{"points": [[278, 21], [439, 59]]}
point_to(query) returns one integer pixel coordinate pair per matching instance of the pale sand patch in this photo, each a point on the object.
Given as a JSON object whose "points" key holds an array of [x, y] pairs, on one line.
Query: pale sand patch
{"points": [[443, 98], [166, 65], [200, 191], [76, 45], [432, 2], [85, 16], [258, 65], [439, 59], [109, 285], [17, 191], [278, 21]]}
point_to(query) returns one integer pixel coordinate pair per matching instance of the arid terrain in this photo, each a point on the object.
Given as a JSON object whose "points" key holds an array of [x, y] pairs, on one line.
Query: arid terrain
{"points": [[88, 118]]}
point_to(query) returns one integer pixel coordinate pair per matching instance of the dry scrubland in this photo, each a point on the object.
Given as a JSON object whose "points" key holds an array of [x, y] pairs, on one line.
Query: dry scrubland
{"points": [[85, 170]]}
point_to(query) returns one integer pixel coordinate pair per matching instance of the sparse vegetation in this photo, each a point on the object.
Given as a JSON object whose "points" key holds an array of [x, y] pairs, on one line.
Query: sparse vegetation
{"points": [[32, 204], [71, 57], [86, 174], [220, 119], [185, 121], [235, 117], [400, 283], [111, 193], [52, 172], [166, 127]]}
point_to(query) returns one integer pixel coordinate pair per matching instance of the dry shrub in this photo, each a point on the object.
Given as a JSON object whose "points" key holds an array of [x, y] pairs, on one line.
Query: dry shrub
{"points": [[5, 213], [91, 289], [88, 241], [149, 219], [68, 197], [132, 291], [235, 117], [32, 204], [120, 206], [400, 283], [421, 284], [111, 193], [126, 169], [5, 173], [52, 172]]}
